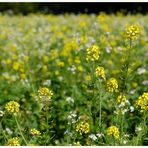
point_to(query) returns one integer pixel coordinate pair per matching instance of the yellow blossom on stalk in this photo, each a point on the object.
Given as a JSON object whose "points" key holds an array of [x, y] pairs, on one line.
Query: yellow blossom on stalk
{"points": [[112, 85], [45, 94], [77, 143], [100, 72], [142, 102], [132, 32], [121, 99], [82, 128], [13, 142], [13, 107], [113, 131], [93, 53], [35, 132]]}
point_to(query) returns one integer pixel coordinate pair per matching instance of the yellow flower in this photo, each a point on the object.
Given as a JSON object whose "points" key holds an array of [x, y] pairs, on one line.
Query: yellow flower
{"points": [[142, 102], [45, 94], [82, 128], [35, 132], [100, 72], [132, 32], [93, 53], [77, 143], [16, 66], [13, 142], [121, 99], [112, 85], [113, 131], [13, 107]]}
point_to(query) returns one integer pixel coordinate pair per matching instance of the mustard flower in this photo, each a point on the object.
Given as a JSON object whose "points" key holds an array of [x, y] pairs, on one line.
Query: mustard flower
{"points": [[142, 101], [112, 85], [12, 107], [13, 142], [113, 131], [132, 32], [93, 53], [35, 132], [100, 72], [45, 94], [121, 99], [82, 128]]}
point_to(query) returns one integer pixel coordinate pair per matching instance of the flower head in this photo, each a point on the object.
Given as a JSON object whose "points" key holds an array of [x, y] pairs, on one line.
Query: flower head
{"points": [[35, 132], [82, 128], [93, 53], [13, 107], [142, 102], [13, 142], [132, 32], [113, 131], [45, 94], [121, 99], [100, 72], [112, 85]]}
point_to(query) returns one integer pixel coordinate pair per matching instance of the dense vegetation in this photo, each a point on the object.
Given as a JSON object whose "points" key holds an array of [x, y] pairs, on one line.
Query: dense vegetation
{"points": [[74, 79]]}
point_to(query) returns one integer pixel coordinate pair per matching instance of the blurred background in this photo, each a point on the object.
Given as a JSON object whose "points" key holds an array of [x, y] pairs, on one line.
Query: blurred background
{"points": [[56, 8]]}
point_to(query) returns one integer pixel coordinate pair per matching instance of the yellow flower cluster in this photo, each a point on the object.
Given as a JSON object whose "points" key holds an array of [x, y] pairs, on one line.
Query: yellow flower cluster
{"points": [[112, 85], [45, 94], [142, 102], [93, 53], [13, 142], [121, 99], [13, 107], [82, 128], [132, 32], [100, 72], [113, 131], [35, 132]]}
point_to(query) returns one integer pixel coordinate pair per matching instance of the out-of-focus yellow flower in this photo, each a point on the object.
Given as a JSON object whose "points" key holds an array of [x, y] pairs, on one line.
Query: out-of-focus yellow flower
{"points": [[82, 128], [100, 72], [113, 131], [77, 143], [13, 142], [142, 102], [112, 85], [16, 66], [12, 107], [45, 94], [93, 53], [132, 32], [35, 132]]}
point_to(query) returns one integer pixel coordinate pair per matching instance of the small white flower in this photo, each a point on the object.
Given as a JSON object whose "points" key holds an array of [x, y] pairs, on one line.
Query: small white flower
{"points": [[131, 109], [47, 82], [99, 135], [70, 100], [132, 91], [60, 78], [141, 70], [124, 142], [9, 131], [1, 113], [145, 82], [138, 129], [93, 137]]}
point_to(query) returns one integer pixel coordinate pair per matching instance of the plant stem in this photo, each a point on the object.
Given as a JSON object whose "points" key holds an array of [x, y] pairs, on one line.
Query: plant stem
{"points": [[20, 131], [100, 104]]}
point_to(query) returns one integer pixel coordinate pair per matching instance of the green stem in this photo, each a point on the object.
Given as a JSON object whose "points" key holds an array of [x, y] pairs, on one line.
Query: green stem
{"points": [[20, 131], [100, 105]]}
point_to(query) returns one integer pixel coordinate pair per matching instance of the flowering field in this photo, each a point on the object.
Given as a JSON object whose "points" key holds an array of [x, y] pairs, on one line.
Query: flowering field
{"points": [[74, 79]]}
